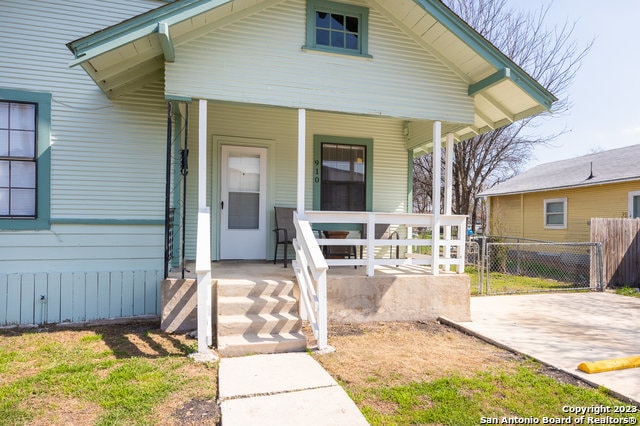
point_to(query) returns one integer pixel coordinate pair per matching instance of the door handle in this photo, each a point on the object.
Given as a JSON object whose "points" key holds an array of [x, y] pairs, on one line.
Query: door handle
{"points": [[221, 205]]}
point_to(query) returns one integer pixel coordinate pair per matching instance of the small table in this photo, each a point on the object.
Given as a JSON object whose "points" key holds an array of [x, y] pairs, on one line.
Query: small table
{"points": [[338, 252]]}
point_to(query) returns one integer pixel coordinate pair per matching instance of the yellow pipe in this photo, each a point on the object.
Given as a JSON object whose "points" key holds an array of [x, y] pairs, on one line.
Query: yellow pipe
{"points": [[609, 364]]}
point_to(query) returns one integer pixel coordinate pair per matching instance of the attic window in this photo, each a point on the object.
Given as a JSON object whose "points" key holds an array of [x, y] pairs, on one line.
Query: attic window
{"points": [[336, 27]]}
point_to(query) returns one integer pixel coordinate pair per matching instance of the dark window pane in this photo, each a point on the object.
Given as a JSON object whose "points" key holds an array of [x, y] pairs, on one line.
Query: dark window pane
{"points": [[4, 174], [352, 41], [352, 24], [23, 174], [23, 202], [322, 37], [343, 178], [337, 22], [22, 144], [555, 207], [244, 210], [337, 39], [22, 116], [322, 19], [4, 115], [4, 143], [4, 201]]}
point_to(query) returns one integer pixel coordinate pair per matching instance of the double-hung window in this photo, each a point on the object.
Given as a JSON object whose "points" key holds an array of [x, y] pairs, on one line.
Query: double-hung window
{"points": [[337, 27], [24, 159], [555, 213]]}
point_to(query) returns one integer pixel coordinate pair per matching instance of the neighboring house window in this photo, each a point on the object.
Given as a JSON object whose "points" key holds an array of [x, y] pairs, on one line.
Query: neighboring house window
{"points": [[555, 213], [634, 204], [24, 159], [337, 27], [342, 173]]}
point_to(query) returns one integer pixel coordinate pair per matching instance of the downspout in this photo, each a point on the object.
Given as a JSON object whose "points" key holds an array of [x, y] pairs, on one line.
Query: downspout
{"points": [[167, 192]]}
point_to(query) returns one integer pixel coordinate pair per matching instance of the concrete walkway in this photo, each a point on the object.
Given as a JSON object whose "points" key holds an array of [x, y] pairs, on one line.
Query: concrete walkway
{"points": [[282, 389], [563, 330]]}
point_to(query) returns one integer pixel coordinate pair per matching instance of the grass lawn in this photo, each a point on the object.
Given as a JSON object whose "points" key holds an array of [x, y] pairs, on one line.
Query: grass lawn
{"points": [[131, 374], [429, 374]]}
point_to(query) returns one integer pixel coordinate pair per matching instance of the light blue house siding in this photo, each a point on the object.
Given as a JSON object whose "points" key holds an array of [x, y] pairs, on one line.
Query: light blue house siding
{"points": [[260, 59], [100, 253], [276, 129]]}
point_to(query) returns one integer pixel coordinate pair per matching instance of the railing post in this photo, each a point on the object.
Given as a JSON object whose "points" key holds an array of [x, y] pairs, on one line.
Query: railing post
{"points": [[322, 310], [371, 235]]}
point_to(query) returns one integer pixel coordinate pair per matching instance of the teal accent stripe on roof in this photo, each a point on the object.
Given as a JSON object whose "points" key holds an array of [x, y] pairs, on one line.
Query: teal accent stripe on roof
{"points": [[137, 27], [487, 50]]}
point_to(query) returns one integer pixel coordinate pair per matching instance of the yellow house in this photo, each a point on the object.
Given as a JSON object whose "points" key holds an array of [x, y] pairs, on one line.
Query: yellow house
{"points": [[556, 201]]}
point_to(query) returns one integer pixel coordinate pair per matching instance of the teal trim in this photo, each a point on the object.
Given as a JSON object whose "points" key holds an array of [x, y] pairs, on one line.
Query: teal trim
{"points": [[492, 80], [165, 42], [177, 98], [82, 221], [318, 140], [484, 48], [362, 13], [43, 162], [137, 27]]}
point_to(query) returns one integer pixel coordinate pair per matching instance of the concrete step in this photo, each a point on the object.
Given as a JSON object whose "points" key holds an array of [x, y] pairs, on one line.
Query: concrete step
{"points": [[258, 324], [239, 305], [239, 345], [250, 288]]}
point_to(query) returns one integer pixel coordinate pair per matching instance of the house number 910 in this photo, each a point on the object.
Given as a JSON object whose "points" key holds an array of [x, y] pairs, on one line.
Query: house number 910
{"points": [[316, 171]]}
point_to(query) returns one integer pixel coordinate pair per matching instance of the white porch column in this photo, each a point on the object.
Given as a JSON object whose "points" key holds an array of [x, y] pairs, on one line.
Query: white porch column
{"points": [[448, 178], [448, 191], [302, 132], [435, 197], [203, 242]]}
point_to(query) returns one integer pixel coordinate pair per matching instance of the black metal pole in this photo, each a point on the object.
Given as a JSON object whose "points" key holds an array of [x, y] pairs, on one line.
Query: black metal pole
{"points": [[185, 171], [167, 192]]}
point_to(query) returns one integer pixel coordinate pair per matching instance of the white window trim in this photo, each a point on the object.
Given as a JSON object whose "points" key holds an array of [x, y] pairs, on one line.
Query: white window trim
{"points": [[632, 195], [564, 218]]}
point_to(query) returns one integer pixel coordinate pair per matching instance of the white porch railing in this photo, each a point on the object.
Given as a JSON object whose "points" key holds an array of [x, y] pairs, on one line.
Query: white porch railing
{"points": [[451, 244], [310, 268]]}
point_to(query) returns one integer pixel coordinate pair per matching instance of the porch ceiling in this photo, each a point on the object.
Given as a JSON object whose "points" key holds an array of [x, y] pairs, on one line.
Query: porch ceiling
{"points": [[129, 55]]}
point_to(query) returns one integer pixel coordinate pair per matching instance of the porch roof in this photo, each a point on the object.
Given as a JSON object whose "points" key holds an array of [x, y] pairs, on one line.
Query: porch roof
{"points": [[131, 54]]}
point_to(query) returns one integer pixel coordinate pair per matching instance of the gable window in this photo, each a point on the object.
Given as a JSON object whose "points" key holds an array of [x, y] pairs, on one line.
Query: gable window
{"points": [[634, 204], [555, 213], [24, 159], [336, 27]]}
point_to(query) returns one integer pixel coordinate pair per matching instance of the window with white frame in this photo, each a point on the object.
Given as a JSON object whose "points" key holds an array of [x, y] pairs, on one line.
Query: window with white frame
{"points": [[337, 27], [25, 120], [555, 213], [634, 204]]}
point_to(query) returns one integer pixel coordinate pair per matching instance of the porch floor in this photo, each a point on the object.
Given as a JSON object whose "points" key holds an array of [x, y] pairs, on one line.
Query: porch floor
{"points": [[266, 269]]}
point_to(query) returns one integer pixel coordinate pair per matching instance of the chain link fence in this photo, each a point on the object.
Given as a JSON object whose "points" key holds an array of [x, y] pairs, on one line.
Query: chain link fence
{"points": [[514, 265]]}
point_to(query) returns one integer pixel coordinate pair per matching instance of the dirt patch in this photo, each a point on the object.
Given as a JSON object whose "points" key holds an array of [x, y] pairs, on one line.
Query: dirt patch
{"points": [[197, 412], [399, 352]]}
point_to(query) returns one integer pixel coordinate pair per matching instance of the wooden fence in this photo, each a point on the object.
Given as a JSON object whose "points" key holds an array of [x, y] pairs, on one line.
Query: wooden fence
{"points": [[620, 240]]}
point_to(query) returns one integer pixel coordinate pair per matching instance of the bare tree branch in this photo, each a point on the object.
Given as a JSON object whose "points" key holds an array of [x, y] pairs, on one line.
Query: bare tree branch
{"points": [[551, 56]]}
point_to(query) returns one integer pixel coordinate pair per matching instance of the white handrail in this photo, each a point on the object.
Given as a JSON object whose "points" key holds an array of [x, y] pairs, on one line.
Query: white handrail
{"points": [[311, 268]]}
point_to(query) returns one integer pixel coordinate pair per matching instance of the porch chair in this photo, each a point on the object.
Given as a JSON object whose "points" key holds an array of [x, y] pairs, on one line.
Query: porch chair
{"points": [[382, 231], [285, 230]]}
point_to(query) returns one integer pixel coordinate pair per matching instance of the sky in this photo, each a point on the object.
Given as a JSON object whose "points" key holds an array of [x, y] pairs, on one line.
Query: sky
{"points": [[606, 91]]}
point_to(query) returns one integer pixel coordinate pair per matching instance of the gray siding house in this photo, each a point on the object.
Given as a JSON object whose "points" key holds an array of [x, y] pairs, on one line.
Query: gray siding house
{"points": [[124, 121]]}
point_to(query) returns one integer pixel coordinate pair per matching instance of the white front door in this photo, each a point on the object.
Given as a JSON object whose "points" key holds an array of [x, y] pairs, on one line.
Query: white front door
{"points": [[243, 219]]}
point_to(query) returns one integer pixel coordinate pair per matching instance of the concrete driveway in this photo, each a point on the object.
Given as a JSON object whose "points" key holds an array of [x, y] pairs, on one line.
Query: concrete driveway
{"points": [[565, 329]]}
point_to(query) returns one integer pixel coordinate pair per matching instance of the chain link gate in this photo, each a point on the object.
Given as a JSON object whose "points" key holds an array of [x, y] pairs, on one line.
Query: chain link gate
{"points": [[515, 265]]}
